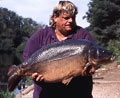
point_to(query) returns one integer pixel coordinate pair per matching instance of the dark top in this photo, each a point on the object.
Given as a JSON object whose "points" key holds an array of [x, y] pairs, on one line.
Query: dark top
{"points": [[79, 87]]}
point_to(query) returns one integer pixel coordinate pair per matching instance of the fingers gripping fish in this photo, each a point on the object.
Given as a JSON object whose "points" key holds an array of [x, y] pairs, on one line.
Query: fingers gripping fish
{"points": [[61, 61]]}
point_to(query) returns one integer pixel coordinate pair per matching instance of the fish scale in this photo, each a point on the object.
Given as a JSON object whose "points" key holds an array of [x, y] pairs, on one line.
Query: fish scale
{"points": [[58, 50], [61, 61]]}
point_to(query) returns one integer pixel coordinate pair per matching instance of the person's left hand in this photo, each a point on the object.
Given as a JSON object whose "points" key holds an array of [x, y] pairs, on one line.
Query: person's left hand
{"points": [[92, 70], [88, 70]]}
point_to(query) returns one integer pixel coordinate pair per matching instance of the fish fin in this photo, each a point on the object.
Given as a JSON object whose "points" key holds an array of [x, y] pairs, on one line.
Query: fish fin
{"points": [[11, 70], [67, 81], [87, 69], [13, 79]]}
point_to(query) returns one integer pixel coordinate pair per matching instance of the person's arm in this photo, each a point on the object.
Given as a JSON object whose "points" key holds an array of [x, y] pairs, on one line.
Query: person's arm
{"points": [[32, 45]]}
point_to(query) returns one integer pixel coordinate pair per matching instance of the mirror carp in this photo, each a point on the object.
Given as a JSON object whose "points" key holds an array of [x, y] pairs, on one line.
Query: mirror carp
{"points": [[61, 61]]}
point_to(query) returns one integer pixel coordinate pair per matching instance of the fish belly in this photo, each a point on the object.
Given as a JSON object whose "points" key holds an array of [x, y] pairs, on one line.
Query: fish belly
{"points": [[59, 70]]}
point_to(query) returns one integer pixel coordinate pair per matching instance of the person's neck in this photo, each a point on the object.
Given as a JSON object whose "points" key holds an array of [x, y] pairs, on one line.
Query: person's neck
{"points": [[61, 36]]}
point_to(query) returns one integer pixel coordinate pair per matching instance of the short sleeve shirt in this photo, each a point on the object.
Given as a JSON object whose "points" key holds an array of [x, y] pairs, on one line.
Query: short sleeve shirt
{"points": [[47, 36]]}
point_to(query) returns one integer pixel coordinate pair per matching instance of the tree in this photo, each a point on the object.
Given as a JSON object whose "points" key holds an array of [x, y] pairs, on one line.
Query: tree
{"points": [[14, 29], [103, 16]]}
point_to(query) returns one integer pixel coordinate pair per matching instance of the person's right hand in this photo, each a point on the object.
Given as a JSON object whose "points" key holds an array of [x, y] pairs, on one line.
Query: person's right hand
{"points": [[37, 77]]}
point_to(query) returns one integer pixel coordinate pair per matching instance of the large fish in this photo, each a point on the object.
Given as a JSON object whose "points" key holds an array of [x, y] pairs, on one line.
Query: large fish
{"points": [[61, 61]]}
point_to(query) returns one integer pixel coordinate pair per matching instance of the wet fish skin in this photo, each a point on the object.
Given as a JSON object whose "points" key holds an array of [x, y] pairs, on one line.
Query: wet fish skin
{"points": [[61, 61]]}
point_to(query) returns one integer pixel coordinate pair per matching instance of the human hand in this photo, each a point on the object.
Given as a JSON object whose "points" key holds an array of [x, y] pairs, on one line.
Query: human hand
{"points": [[89, 70], [92, 70], [37, 77]]}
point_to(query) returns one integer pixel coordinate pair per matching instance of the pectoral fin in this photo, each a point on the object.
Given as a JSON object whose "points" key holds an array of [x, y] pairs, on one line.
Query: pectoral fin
{"points": [[88, 69], [67, 81]]}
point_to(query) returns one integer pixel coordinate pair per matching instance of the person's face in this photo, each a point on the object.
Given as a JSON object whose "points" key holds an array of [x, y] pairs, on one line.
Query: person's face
{"points": [[65, 22]]}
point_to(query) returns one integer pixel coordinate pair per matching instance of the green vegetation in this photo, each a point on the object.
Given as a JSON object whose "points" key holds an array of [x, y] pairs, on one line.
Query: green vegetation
{"points": [[103, 16], [14, 33], [104, 19], [114, 46], [15, 30], [6, 94]]}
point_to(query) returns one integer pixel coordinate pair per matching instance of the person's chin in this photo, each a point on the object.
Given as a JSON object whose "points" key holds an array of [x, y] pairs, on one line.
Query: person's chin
{"points": [[68, 28]]}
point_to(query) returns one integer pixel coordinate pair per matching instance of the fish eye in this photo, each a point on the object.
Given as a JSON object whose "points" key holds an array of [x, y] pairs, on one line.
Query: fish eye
{"points": [[97, 52]]}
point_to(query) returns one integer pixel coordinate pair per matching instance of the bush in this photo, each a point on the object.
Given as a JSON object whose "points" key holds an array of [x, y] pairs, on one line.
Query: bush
{"points": [[6, 94], [114, 46]]}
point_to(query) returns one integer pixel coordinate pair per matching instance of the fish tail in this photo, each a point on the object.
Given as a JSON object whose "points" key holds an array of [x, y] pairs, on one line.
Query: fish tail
{"points": [[13, 81], [13, 78]]}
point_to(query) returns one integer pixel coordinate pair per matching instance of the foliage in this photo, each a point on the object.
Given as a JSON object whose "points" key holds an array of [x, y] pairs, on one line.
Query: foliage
{"points": [[104, 19], [114, 46], [6, 44], [19, 51], [6, 94], [14, 29], [103, 13]]}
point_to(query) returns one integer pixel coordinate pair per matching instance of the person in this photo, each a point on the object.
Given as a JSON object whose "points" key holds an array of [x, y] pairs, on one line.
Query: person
{"points": [[62, 27]]}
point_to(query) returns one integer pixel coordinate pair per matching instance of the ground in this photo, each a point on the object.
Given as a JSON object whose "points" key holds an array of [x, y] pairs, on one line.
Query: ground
{"points": [[106, 83]]}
